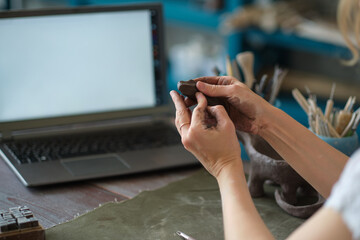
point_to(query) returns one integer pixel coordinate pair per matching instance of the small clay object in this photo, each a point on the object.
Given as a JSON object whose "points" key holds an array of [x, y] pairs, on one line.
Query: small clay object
{"points": [[188, 89], [23, 222], [19, 223]]}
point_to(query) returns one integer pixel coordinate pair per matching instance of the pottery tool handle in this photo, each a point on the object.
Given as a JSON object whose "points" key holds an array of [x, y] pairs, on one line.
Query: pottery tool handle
{"points": [[350, 103], [349, 125], [332, 130], [344, 118], [262, 84], [356, 122], [246, 62], [329, 107], [301, 100], [229, 70], [277, 86], [235, 70], [330, 102]]}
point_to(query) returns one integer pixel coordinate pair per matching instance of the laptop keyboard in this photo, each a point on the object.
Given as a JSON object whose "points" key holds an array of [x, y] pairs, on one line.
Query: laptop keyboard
{"points": [[55, 148]]}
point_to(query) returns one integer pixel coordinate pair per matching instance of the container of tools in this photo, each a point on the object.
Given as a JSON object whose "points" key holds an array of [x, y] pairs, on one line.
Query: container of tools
{"points": [[335, 126]]}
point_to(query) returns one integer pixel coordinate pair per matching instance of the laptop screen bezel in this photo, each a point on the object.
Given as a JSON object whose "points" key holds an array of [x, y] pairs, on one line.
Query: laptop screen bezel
{"points": [[162, 105]]}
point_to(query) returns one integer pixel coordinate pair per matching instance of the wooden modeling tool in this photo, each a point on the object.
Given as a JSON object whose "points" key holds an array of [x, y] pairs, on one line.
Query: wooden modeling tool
{"points": [[229, 70], [310, 94], [246, 62], [356, 123], [301, 100], [279, 76], [235, 69], [330, 130], [350, 103], [343, 119], [262, 85], [349, 125], [330, 102]]}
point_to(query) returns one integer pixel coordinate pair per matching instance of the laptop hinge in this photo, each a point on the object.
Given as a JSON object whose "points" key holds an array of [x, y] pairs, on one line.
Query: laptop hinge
{"points": [[76, 128], [6, 135]]}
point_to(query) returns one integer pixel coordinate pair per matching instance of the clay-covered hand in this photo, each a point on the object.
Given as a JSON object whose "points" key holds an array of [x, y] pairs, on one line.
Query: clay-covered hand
{"points": [[208, 133], [246, 109]]}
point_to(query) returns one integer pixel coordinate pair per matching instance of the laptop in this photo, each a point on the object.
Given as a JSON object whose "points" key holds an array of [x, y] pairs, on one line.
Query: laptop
{"points": [[83, 94]]}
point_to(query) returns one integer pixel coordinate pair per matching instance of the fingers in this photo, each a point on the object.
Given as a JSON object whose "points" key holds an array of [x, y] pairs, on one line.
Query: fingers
{"points": [[210, 80], [198, 115], [183, 114], [213, 90], [217, 80]]}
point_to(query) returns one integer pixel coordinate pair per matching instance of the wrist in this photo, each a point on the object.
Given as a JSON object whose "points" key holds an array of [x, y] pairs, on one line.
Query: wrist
{"points": [[268, 119], [231, 171]]}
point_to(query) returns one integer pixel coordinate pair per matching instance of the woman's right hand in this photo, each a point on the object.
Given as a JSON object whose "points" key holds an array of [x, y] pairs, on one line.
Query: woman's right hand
{"points": [[208, 133], [246, 108]]}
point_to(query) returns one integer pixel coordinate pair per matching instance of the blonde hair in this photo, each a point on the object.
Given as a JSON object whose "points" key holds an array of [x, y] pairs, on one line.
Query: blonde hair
{"points": [[348, 16]]}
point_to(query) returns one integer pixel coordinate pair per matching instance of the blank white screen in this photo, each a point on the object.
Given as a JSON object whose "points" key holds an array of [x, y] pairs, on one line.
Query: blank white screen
{"points": [[75, 64]]}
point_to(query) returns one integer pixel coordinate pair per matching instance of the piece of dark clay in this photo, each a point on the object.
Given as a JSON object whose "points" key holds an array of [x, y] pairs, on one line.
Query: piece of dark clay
{"points": [[188, 89]]}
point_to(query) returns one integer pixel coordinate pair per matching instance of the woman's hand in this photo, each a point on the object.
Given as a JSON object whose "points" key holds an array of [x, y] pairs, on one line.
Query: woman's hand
{"points": [[208, 133], [246, 108]]}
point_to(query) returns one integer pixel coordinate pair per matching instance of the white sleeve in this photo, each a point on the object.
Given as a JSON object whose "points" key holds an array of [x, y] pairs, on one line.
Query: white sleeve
{"points": [[345, 195]]}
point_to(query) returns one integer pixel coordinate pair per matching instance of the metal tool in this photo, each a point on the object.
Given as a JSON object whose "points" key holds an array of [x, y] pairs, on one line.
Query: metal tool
{"points": [[184, 236], [350, 103]]}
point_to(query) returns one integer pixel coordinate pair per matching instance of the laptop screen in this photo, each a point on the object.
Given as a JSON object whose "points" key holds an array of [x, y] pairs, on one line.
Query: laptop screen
{"points": [[78, 63]]}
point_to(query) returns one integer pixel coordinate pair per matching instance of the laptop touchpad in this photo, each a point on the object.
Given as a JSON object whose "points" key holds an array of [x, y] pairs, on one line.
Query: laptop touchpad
{"points": [[95, 165]]}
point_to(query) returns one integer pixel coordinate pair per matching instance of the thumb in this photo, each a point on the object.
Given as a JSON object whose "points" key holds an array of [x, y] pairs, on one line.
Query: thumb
{"points": [[213, 90]]}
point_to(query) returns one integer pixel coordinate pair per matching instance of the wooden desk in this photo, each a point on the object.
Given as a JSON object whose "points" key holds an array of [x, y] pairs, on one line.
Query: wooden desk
{"points": [[58, 203]]}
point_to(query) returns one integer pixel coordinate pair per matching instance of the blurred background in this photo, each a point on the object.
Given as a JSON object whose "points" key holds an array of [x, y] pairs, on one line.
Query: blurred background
{"points": [[299, 35]]}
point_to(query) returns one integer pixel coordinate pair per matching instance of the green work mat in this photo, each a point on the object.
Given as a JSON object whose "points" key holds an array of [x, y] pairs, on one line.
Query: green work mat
{"points": [[191, 205]]}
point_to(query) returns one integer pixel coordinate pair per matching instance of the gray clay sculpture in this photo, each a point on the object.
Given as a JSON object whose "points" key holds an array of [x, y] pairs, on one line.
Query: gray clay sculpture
{"points": [[267, 165]]}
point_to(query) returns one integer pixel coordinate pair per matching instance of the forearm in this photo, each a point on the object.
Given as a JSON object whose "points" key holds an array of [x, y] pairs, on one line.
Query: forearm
{"points": [[325, 224], [316, 161], [241, 219]]}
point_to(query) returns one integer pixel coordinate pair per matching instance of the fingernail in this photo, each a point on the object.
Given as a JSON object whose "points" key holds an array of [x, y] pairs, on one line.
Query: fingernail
{"points": [[199, 84]]}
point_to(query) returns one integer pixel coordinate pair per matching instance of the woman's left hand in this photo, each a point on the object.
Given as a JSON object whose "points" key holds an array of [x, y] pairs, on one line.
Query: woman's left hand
{"points": [[208, 133]]}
